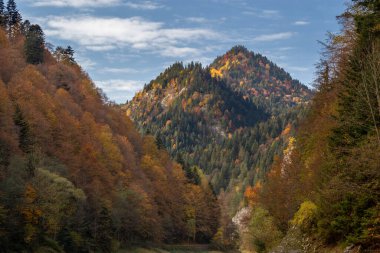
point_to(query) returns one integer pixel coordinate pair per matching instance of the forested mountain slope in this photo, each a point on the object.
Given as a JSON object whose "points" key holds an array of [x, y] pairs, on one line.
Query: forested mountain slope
{"points": [[259, 80], [75, 175], [230, 119], [323, 193]]}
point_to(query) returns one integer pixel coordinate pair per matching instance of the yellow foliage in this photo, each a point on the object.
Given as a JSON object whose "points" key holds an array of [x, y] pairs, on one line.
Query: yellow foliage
{"points": [[129, 112], [216, 73], [157, 86], [305, 216], [290, 146]]}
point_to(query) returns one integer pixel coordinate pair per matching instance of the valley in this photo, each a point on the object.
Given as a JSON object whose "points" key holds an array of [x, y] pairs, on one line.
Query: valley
{"points": [[232, 156]]}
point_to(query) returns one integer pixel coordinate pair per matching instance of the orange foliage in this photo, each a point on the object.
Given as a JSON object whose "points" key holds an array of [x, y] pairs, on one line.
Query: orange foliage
{"points": [[252, 193]]}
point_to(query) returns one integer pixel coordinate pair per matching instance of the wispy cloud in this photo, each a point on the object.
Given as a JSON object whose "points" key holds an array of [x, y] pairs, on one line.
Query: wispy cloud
{"points": [[120, 90], [179, 51], [101, 34], [120, 85], [301, 22], [274, 36], [196, 19], [85, 62], [120, 70], [297, 68], [273, 14], [285, 48], [100, 48], [76, 3], [144, 5]]}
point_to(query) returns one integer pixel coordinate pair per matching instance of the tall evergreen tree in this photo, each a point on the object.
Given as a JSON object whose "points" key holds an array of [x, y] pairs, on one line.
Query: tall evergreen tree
{"points": [[25, 140], [69, 51], [13, 18], [25, 26], [3, 21], [34, 45]]}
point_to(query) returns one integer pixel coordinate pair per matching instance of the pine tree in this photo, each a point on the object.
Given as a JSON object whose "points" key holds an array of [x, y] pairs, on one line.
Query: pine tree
{"points": [[3, 21], [13, 18], [25, 26], [25, 140], [69, 51], [34, 45]]}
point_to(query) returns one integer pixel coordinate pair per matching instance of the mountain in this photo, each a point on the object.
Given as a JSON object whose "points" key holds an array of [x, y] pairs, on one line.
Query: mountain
{"points": [[230, 118], [75, 175], [259, 79]]}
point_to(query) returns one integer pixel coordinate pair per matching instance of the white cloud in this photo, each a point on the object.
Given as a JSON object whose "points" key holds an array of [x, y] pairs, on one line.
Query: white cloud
{"points": [[270, 12], [274, 36], [301, 22], [285, 48], [85, 62], [298, 69], [100, 48], [145, 5], [121, 70], [76, 3], [100, 34], [120, 90], [196, 19], [273, 14], [179, 51], [115, 85]]}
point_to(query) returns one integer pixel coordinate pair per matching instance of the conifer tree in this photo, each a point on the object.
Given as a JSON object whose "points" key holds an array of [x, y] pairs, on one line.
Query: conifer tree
{"points": [[2, 14], [34, 45], [69, 51], [13, 18], [25, 140]]}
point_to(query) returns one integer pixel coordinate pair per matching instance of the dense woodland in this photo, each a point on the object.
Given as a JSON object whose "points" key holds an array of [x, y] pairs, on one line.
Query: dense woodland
{"points": [[236, 154], [325, 187], [229, 120], [231, 132], [75, 175]]}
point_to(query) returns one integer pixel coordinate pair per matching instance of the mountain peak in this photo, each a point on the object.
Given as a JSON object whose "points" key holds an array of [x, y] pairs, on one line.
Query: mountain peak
{"points": [[255, 76], [235, 50]]}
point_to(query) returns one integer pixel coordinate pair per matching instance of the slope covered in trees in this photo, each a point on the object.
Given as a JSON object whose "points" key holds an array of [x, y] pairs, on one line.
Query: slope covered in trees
{"points": [[75, 175], [324, 190], [230, 119]]}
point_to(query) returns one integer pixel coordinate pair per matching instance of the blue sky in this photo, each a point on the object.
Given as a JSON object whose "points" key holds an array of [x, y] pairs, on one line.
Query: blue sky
{"points": [[123, 44]]}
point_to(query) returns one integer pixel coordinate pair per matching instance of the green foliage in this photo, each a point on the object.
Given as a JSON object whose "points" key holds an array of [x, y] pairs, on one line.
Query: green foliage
{"points": [[13, 18], [262, 230], [34, 45], [3, 21], [25, 138], [64, 54], [214, 124], [336, 163], [306, 216]]}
